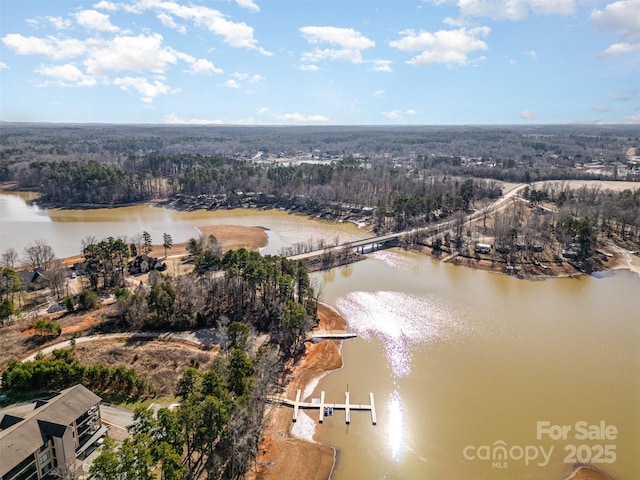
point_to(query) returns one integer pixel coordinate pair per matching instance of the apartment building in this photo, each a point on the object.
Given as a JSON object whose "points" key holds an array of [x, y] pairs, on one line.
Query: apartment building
{"points": [[53, 434]]}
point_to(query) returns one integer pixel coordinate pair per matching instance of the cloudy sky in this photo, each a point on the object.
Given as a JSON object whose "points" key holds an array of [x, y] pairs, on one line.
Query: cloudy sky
{"points": [[320, 62]]}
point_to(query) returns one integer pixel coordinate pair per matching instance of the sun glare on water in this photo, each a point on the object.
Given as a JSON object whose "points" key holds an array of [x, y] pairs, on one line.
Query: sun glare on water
{"points": [[400, 320]]}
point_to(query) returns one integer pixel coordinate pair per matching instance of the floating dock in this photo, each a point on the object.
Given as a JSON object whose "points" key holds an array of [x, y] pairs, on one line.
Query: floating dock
{"points": [[334, 336], [347, 406]]}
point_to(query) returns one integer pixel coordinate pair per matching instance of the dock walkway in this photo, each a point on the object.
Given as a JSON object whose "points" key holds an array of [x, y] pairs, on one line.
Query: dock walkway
{"points": [[322, 406]]}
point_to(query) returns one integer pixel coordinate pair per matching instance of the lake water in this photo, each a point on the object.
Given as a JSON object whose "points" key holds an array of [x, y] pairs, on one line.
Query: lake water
{"points": [[475, 375], [22, 223], [463, 362]]}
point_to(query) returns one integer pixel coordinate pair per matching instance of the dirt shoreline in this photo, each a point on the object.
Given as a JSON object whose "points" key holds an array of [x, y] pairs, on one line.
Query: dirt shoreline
{"points": [[281, 455], [230, 237]]}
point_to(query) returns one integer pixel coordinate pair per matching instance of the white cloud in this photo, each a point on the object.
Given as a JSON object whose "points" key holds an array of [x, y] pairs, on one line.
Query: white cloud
{"points": [[172, 118], [622, 17], [378, 93], [514, 9], [298, 117], [348, 41], [67, 75], [241, 79], [249, 5], [263, 110], [139, 53], [531, 54], [392, 115], [444, 46], [631, 119], [600, 108], [495, 9], [309, 68], [552, 7], [60, 23], [618, 49], [529, 114], [203, 66], [168, 21], [52, 47], [147, 90], [104, 5], [622, 97], [382, 66], [398, 115], [245, 121], [100, 57], [3, 66], [235, 34], [94, 20]]}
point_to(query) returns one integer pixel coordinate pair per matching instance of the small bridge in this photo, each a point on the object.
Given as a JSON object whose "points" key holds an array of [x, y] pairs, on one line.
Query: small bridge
{"points": [[390, 240], [327, 408]]}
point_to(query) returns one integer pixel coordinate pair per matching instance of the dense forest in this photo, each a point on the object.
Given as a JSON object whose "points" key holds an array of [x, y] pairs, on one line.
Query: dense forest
{"points": [[108, 143], [267, 294], [404, 176]]}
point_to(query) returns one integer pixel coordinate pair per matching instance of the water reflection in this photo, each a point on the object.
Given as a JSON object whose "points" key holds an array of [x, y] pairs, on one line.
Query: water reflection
{"points": [[396, 439], [346, 271], [15, 209], [400, 320], [460, 357]]}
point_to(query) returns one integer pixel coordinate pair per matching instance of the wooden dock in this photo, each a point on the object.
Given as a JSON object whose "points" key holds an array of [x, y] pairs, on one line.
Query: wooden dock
{"points": [[321, 405], [331, 335]]}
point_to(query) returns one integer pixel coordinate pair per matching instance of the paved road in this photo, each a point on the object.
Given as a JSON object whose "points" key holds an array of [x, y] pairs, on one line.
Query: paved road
{"points": [[430, 229], [116, 416]]}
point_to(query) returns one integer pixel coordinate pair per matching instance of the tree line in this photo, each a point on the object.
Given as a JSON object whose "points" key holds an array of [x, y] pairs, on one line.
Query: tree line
{"points": [[63, 370], [269, 294]]}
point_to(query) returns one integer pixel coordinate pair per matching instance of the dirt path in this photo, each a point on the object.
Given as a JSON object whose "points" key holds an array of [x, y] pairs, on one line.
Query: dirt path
{"points": [[204, 338]]}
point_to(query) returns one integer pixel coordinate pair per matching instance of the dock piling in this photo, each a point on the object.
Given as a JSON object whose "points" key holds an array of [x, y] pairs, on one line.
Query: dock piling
{"points": [[322, 405], [321, 414], [296, 406], [373, 409], [347, 411]]}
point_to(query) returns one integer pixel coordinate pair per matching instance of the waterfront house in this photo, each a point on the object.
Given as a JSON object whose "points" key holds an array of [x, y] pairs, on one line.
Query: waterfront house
{"points": [[482, 248]]}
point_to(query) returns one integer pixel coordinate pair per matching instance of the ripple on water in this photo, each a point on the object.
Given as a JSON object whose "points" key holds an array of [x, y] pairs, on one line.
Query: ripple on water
{"points": [[400, 320]]}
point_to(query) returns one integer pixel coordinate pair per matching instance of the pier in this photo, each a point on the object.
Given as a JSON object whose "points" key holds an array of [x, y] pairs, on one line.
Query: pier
{"points": [[322, 407], [331, 335]]}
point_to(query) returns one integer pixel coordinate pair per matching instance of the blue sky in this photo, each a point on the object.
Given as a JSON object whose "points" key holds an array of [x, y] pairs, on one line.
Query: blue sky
{"points": [[317, 62]]}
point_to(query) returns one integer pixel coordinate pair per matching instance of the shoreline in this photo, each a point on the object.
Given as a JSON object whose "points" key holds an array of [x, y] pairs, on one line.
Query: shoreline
{"points": [[282, 454]]}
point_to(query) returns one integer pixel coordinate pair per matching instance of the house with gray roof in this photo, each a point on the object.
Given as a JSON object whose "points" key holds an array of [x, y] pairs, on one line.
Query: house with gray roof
{"points": [[53, 434]]}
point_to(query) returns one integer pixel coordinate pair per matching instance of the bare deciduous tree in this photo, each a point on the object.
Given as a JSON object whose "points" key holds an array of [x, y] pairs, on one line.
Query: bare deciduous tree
{"points": [[10, 258], [39, 255]]}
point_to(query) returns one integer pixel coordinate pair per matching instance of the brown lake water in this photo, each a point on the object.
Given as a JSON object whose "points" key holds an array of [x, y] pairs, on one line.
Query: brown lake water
{"points": [[22, 223], [482, 376], [475, 375]]}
